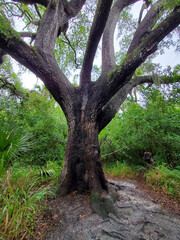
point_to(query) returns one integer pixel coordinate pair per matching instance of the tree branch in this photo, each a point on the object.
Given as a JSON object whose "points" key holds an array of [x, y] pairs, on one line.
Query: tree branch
{"points": [[11, 87], [37, 10], [144, 6], [97, 29], [56, 15], [108, 58], [70, 45], [146, 25], [106, 89], [6, 4], [40, 60], [73, 7], [48, 29], [110, 110], [44, 68], [27, 34], [41, 2]]}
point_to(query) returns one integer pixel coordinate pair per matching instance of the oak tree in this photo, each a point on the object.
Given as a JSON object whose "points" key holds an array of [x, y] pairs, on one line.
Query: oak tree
{"points": [[91, 105]]}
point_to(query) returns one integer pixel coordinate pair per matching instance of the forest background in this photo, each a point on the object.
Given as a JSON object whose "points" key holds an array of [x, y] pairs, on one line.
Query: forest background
{"points": [[33, 136]]}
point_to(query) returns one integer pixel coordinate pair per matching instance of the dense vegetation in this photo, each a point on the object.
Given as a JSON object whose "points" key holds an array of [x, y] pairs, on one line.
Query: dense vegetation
{"points": [[152, 126], [32, 147]]}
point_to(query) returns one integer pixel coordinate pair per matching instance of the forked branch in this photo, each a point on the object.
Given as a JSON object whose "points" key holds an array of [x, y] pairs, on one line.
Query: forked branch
{"points": [[145, 27], [47, 71], [56, 16], [97, 29], [73, 7], [105, 90]]}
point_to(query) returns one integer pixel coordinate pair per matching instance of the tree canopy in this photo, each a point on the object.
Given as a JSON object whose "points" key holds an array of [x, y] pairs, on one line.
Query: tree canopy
{"points": [[46, 20]]}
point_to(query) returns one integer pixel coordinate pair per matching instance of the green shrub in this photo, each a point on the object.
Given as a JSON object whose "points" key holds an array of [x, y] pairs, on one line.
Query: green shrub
{"points": [[46, 121], [153, 127], [37, 120], [23, 196], [165, 178]]}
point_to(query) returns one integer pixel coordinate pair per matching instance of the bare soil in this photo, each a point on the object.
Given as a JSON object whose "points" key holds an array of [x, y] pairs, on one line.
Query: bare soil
{"points": [[142, 214]]}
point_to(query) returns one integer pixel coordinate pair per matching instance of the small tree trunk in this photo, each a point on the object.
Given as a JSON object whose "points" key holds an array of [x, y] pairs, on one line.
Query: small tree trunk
{"points": [[82, 169]]}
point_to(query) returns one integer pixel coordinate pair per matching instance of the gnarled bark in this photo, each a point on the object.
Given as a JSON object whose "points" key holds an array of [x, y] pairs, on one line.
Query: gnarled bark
{"points": [[82, 169]]}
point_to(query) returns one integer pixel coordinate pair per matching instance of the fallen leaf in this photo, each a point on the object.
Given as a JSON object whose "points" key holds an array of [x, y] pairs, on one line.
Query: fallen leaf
{"points": [[55, 216], [81, 216]]}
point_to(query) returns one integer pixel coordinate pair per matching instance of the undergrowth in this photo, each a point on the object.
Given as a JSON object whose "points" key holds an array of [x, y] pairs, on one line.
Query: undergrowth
{"points": [[122, 170], [23, 195], [165, 178], [157, 176]]}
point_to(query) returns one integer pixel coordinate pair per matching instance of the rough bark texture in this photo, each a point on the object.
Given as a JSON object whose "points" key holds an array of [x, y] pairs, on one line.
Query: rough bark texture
{"points": [[91, 106], [82, 170]]}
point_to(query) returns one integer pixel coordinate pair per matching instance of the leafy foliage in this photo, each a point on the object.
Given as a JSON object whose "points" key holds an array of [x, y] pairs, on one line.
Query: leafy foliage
{"points": [[48, 128], [10, 84], [165, 178], [27, 124], [153, 127]]}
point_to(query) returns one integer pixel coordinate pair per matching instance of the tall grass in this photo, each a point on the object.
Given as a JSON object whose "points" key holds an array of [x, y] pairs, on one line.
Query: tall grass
{"points": [[23, 195], [120, 169], [165, 178], [157, 176]]}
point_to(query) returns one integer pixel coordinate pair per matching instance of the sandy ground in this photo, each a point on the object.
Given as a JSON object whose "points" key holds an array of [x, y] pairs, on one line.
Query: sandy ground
{"points": [[141, 215]]}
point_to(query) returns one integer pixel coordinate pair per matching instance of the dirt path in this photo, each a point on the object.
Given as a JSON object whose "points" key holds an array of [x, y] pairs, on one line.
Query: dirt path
{"points": [[138, 218]]}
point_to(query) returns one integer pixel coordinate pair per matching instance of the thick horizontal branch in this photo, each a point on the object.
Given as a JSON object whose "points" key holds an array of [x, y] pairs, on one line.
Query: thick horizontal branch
{"points": [[97, 29], [110, 110], [28, 35], [151, 79], [44, 68]]}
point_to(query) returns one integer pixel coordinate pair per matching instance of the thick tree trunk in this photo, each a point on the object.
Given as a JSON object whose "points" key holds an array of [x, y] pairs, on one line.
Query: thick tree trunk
{"points": [[82, 170]]}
